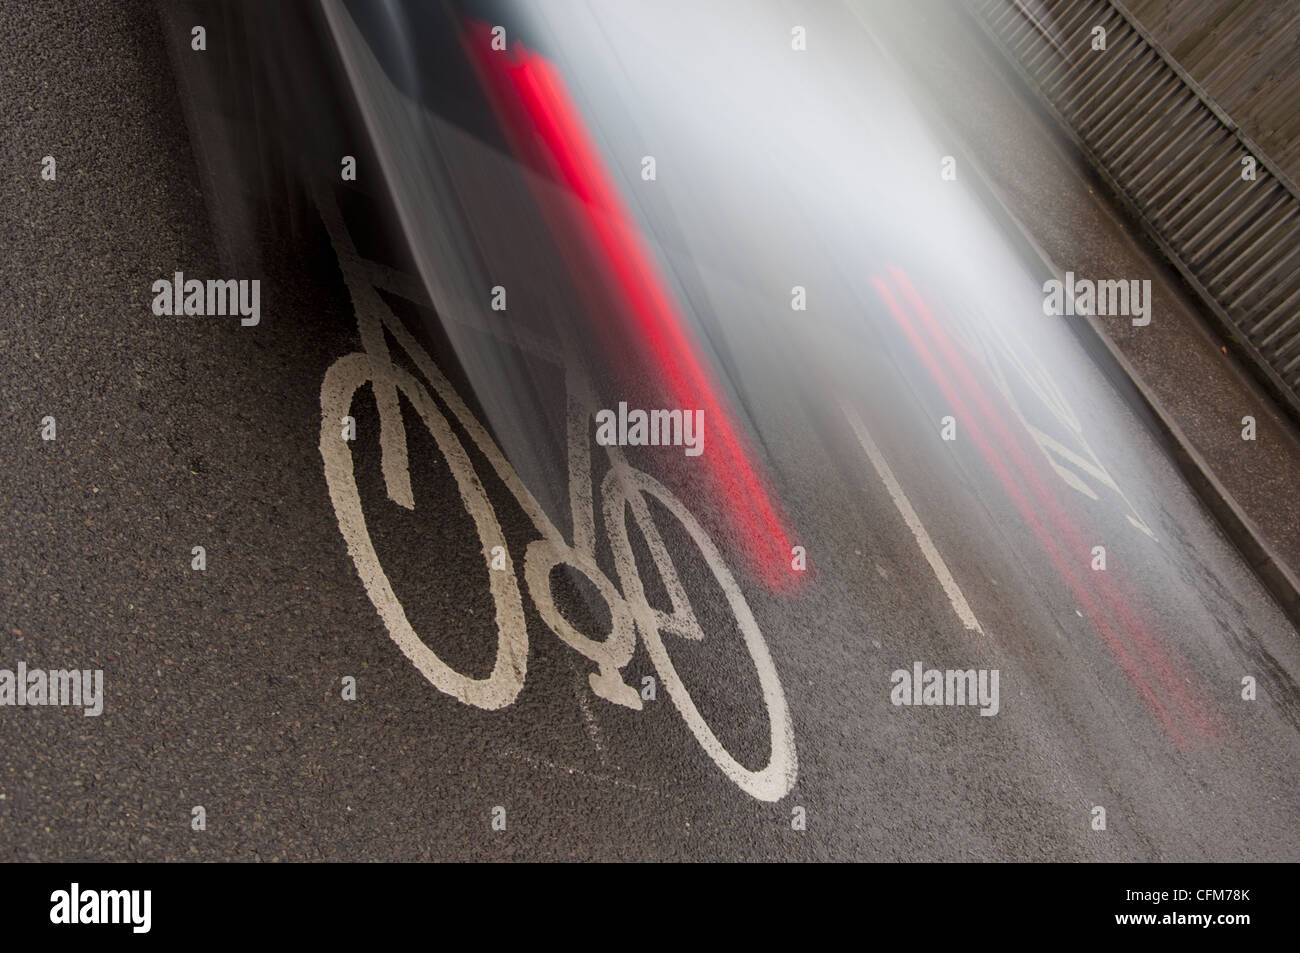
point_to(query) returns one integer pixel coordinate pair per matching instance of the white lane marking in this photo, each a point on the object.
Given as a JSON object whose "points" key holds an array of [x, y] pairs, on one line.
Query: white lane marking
{"points": [[959, 603]]}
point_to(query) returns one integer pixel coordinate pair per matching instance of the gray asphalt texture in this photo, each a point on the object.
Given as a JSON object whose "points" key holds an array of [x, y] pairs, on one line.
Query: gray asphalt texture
{"points": [[223, 687]]}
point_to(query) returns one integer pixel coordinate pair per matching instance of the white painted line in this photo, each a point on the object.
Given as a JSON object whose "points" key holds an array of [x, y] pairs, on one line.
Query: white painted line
{"points": [[959, 603]]}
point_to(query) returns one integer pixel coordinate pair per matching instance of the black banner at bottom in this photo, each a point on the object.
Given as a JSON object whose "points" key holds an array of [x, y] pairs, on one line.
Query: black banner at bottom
{"points": [[335, 902]]}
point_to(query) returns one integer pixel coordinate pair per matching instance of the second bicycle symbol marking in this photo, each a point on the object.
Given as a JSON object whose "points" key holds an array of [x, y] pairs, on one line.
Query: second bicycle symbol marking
{"points": [[623, 488]]}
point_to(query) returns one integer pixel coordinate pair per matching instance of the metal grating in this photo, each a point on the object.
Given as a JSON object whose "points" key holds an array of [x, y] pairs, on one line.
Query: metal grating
{"points": [[1177, 158]]}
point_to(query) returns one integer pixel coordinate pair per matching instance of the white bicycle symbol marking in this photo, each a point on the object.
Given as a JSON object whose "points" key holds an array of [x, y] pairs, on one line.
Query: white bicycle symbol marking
{"points": [[622, 488]]}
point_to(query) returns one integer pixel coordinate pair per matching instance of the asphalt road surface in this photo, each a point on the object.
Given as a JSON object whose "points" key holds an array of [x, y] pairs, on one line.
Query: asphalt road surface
{"points": [[224, 688]]}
